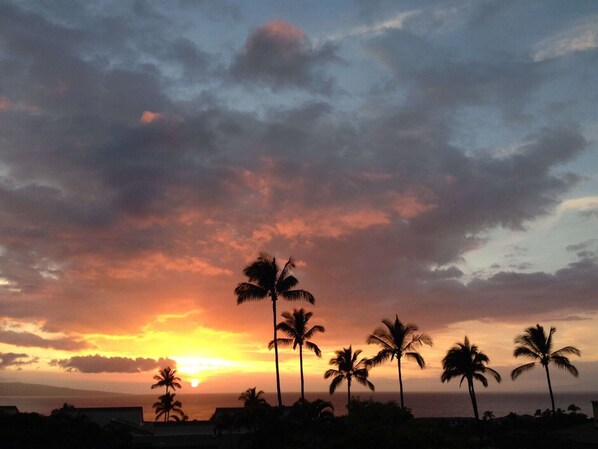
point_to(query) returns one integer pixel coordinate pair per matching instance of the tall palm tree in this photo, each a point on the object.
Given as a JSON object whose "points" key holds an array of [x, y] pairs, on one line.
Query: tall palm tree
{"points": [[167, 405], [398, 340], [267, 280], [465, 360], [296, 327], [535, 345], [348, 368], [167, 377]]}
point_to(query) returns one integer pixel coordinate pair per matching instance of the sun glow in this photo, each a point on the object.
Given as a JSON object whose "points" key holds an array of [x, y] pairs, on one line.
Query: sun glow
{"points": [[194, 383], [194, 365]]}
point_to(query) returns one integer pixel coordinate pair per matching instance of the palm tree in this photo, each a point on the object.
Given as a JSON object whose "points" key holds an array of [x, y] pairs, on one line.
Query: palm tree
{"points": [[398, 340], [296, 327], [166, 377], [465, 360], [167, 405], [348, 368], [252, 398], [266, 279], [535, 345]]}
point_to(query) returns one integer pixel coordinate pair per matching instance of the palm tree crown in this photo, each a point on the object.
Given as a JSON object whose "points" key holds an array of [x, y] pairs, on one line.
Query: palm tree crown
{"points": [[296, 327], [166, 377], [535, 345], [348, 368], [252, 398], [167, 405], [465, 360], [398, 340], [267, 279]]}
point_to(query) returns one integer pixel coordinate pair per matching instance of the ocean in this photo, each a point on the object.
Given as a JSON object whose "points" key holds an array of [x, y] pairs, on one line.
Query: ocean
{"points": [[201, 406]]}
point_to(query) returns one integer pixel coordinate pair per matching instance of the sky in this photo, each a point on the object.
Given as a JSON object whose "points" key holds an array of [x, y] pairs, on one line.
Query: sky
{"points": [[431, 160]]}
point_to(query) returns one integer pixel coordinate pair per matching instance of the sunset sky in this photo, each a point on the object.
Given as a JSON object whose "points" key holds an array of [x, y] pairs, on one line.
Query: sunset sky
{"points": [[435, 160]]}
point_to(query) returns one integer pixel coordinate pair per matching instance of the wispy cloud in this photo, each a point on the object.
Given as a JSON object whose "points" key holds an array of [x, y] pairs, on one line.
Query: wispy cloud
{"points": [[581, 37], [396, 22]]}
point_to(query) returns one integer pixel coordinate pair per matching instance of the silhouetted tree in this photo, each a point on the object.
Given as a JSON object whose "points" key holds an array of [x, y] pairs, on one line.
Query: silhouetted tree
{"points": [[266, 279], [535, 345], [465, 360], [348, 368], [167, 405], [296, 327], [398, 340], [252, 398], [166, 377]]}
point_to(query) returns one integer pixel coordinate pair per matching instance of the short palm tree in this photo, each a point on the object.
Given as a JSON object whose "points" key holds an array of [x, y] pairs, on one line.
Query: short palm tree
{"points": [[296, 327], [167, 405], [535, 345], [348, 368], [167, 377], [252, 398], [398, 340], [466, 361], [268, 280]]}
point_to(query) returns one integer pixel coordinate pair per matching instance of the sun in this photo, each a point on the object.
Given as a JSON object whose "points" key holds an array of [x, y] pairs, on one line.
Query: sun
{"points": [[194, 383]]}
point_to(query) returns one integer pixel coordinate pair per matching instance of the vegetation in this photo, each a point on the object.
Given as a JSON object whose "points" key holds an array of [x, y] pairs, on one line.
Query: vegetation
{"points": [[267, 279], [296, 327], [348, 368], [398, 340], [167, 377], [466, 361], [535, 345], [252, 398], [168, 407]]}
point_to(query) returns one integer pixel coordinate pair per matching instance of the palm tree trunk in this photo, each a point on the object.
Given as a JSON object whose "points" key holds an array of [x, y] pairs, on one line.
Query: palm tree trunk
{"points": [[474, 401], [348, 395], [301, 370], [278, 393], [400, 382], [550, 388]]}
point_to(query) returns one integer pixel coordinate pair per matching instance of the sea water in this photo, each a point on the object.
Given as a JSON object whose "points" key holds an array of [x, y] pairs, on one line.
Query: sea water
{"points": [[201, 406]]}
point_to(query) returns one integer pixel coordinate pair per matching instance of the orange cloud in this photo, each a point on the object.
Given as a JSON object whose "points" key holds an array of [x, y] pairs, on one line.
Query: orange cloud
{"points": [[409, 205], [149, 117]]}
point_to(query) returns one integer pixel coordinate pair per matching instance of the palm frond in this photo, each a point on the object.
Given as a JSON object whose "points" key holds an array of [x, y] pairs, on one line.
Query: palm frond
{"points": [[315, 329], [524, 351], [286, 284], [564, 363], [331, 372], [568, 350], [335, 383], [246, 291], [521, 369], [281, 342], [314, 348], [417, 357], [297, 295]]}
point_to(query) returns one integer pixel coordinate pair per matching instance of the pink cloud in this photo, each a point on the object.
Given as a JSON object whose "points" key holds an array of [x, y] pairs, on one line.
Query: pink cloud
{"points": [[149, 117]]}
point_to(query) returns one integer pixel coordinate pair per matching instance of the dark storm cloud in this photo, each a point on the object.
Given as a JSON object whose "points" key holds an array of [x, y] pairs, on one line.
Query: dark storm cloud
{"points": [[11, 359], [280, 55], [101, 364], [28, 339]]}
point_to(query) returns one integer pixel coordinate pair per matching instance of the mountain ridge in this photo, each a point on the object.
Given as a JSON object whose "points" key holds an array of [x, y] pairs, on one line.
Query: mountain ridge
{"points": [[27, 389]]}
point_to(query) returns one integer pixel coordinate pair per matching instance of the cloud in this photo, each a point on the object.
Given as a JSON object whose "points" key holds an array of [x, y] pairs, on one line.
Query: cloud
{"points": [[12, 359], [100, 364], [28, 339], [279, 55], [581, 37], [107, 222]]}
